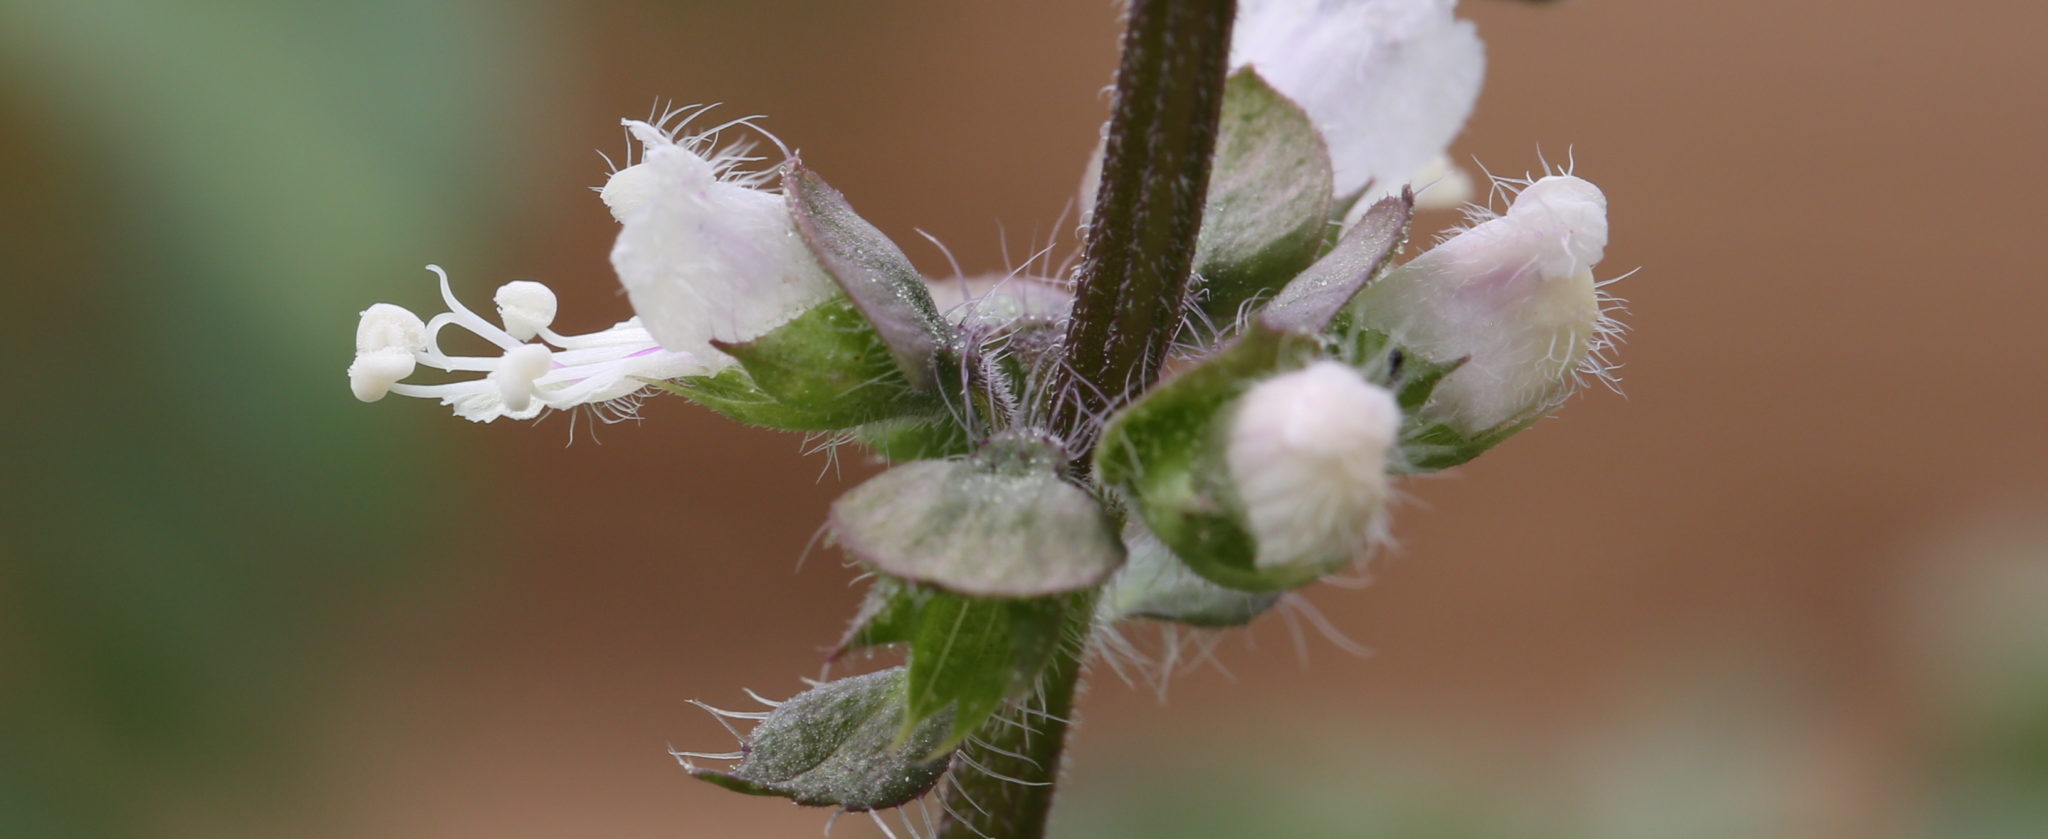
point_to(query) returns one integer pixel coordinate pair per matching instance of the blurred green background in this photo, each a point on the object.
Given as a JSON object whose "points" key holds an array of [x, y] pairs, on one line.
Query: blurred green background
{"points": [[1795, 585]]}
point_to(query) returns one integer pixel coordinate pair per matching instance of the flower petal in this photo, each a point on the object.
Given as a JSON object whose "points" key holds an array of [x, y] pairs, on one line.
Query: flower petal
{"points": [[1388, 82]]}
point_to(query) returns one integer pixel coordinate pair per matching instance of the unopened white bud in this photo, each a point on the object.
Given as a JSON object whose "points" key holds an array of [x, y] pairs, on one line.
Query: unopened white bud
{"points": [[525, 307], [516, 374], [1308, 454], [704, 254], [1514, 293]]}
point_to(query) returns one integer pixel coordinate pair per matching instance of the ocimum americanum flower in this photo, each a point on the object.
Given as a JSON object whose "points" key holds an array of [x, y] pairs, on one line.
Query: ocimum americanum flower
{"points": [[1043, 480], [1514, 294], [706, 250]]}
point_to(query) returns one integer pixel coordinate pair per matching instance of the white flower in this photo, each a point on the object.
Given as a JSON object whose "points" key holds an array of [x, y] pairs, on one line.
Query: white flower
{"points": [[1388, 83], [603, 370], [1308, 454], [707, 252], [1516, 294]]}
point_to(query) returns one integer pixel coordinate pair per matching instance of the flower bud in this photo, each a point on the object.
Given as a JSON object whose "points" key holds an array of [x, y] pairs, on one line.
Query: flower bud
{"points": [[1513, 293], [1388, 83], [1308, 454], [525, 307], [704, 254]]}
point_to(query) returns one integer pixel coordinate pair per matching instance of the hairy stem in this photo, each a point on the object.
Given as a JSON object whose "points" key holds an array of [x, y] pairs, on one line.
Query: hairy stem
{"points": [[1132, 284], [1130, 300], [1006, 791]]}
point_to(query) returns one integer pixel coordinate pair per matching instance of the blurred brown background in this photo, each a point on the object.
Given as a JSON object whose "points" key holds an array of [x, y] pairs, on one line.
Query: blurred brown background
{"points": [[1791, 586]]}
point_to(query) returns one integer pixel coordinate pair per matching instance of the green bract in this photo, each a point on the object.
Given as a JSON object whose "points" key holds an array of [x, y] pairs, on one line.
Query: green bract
{"points": [[1155, 584], [1001, 523], [823, 371], [842, 744], [1318, 297], [1166, 450], [862, 357], [1166, 453], [968, 655], [1269, 197], [872, 271], [1426, 445]]}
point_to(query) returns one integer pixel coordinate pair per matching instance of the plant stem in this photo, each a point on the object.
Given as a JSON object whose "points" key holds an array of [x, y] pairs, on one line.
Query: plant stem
{"points": [[1132, 284], [1130, 300], [1026, 745]]}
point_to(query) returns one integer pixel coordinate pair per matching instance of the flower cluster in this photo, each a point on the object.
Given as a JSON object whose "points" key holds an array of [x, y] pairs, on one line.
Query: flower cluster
{"points": [[1314, 369]]}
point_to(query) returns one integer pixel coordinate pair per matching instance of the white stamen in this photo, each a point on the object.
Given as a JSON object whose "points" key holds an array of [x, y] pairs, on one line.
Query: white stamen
{"points": [[387, 337], [516, 374], [605, 368], [525, 307]]}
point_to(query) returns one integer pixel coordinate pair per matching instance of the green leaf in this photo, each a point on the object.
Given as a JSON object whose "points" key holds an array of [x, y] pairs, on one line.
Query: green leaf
{"points": [[841, 744], [1155, 584], [1313, 300], [1166, 453], [972, 654], [1002, 523], [874, 273], [1269, 196]]}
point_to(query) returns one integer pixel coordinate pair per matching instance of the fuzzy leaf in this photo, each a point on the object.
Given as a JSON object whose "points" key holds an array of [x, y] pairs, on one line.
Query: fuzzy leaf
{"points": [[841, 744], [1155, 584], [1002, 523], [1165, 453], [971, 654], [1315, 298], [1269, 196], [874, 273]]}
